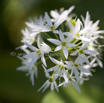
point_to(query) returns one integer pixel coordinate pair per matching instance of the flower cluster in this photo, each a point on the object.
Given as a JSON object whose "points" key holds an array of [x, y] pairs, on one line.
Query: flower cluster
{"points": [[74, 39]]}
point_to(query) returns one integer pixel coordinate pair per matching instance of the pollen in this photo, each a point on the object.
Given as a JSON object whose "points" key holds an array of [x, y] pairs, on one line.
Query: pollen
{"points": [[80, 51], [76, 65], [52, 28], [77, 34], [73, 21], [63, 43]]}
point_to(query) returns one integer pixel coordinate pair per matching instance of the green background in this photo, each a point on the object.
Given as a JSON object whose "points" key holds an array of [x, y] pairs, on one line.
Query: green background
{"points": [[15, 87]]}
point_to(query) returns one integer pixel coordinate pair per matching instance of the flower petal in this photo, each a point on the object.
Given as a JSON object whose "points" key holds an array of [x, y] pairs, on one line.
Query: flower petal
{"points": [[58, 48], [55, 41], [71, 45], [48, 19], [54, 14], [43, 60], [74, 53], [54, 60], [76, 86], [65, 51]]}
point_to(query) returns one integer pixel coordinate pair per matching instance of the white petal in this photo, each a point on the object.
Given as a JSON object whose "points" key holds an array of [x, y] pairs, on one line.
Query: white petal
{"points": [[99, 62], [65, 77], [46, 73], [84, 45], [61, 19], [56, 87], [32, 77], [61, 36], [76, 74], [74, 53], [69, 38], [52, 86], [54, 14], [91, 52], [71, 45], [70, 25], [84, 38], [84, 70], [65, 51], [38, 43], [48, 19], [55, 41], [77, 26], [52, 69], [22, 68], [46, 86], [69, 64], [77, 61], [58, 48], [76, 86], [30, 46], [42, 86], [70, 9], [43, 60], [34, 60], [54, 60], [31, 25]]}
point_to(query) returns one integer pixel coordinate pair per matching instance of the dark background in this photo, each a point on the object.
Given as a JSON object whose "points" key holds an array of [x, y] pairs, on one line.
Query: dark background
{"points": [[15, 87]]}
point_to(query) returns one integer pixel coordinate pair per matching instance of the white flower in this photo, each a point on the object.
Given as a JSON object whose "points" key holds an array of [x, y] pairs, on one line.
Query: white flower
{"points": [[38, 53], [76, 30], [38, 26], [58, 69], [56, 15], [75, 42], [63, 44], [59, 19], [27, 36], [97, 58], [49, 82], [75, 66], [68, 80], [91, 30], [32, 70], [82, 51]]}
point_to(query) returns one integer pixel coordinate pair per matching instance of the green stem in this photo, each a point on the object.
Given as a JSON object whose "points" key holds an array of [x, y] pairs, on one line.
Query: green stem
{"points": [[76, 41], [79, 43], [56, 36], [47, 34]]}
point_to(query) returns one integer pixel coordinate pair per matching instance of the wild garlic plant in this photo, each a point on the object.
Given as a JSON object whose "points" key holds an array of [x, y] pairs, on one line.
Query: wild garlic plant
{"points": [[70, 43]]}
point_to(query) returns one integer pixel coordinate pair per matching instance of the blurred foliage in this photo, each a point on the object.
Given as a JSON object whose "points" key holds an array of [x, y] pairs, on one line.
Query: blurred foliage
{"points": [[15, 87]]}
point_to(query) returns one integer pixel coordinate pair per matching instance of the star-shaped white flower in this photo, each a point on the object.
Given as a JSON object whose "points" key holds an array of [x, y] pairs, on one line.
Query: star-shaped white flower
{"points": [[91, 29], [75, 66], [83, 51], [63, 43], [31, 70], [59, 68], [44, 48], [58, 18], [49, 82], [68, 80], [76, 30], [38, 26], [57, 15]]}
